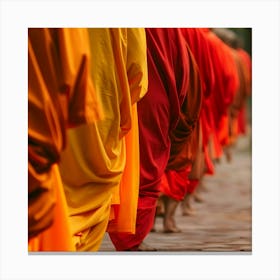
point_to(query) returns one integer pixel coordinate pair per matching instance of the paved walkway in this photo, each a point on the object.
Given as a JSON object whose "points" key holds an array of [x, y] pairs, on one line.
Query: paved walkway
{"points": [[222, 223]]}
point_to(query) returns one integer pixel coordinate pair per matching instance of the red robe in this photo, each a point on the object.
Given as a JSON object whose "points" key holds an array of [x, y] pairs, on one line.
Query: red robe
{"points": [[158, 113], [247, 64], [240, 97], [185, 137], [199, 45], [226, 84]]}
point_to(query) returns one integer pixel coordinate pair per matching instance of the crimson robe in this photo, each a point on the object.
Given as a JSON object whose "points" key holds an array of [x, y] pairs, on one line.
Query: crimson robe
{"points": [[185, 137], [158, 113]]}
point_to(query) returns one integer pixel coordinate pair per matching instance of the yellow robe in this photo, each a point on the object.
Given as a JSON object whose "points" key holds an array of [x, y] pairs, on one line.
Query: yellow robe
{"points": [[60, 93], [93, 163]]}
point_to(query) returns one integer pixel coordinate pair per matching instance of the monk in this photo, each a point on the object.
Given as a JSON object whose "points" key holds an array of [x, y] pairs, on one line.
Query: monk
{"points": [[226, 84], [247, 66], [60, 94], [241, 92], [229, 121], [93, 163], [199, 45], [158, 115], [245, 72], [184, 146]]}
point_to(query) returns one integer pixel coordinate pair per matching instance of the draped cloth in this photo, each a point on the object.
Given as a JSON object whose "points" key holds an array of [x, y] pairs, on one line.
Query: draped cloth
{"points": [[184, 143], [158, 114], [175, 183], [240, 97], [93, 163], [225, 87], [184, 138], [58, 236], [60, 94], [247, 67], [199, 45], [239, 87], [124, 204]]}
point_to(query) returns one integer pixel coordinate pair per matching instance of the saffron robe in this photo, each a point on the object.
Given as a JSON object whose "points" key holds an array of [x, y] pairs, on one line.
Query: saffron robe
{"points": [[93, 163], [158, 113], [60, 94]]}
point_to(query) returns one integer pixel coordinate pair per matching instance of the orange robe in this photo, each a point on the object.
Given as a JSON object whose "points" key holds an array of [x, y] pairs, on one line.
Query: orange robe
{"points": [[57, 237], [60, 93]]}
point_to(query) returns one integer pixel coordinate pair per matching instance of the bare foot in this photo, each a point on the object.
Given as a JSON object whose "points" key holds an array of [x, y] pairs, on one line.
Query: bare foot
{"points": [[188, 212], [153, 230], [170, 226], [171, 230], [187, 209], [198, 198], [229, 157], [203, 188], [160, 208], [145, 247]]}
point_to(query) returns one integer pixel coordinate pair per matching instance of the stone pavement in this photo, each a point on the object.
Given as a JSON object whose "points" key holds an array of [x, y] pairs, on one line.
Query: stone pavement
{"points": [[222, 223]]}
